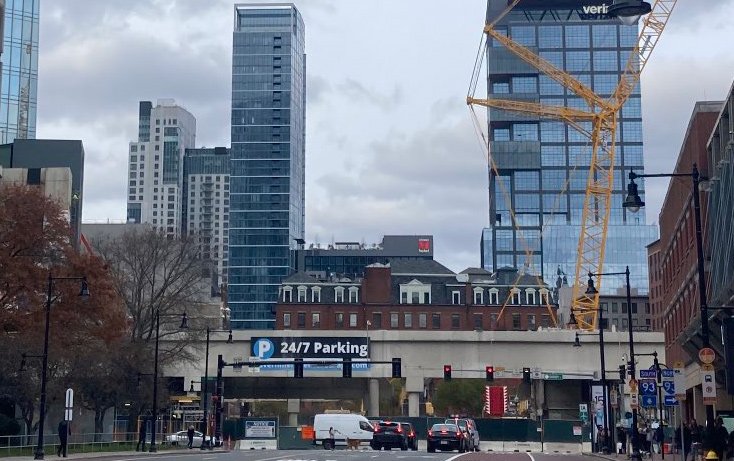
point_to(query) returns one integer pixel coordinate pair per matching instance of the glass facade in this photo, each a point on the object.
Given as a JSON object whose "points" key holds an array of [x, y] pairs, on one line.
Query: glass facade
{"points": [[267, 167], [19, 84], [537, 192]]}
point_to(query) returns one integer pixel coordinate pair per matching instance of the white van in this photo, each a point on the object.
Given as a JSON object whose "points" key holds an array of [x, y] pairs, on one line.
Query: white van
{"points": [[346, 426]]}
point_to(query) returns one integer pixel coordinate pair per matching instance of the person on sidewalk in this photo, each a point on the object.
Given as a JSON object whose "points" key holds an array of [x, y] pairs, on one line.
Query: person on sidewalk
{"points": [[190, 434], [141, 436], [721, 438], [63, 438]]}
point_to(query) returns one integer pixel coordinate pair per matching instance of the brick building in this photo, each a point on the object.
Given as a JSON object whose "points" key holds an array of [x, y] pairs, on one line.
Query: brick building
{"points": [[415, 294], [672, 259]]}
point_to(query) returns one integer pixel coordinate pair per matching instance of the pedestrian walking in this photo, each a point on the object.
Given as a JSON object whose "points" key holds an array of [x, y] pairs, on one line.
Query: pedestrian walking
{"points": [[621, 440], [721, 438], [63, 438], [190, 434], [141, 436]]}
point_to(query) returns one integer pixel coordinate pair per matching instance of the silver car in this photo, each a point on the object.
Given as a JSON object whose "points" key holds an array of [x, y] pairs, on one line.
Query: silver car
{"points": [[182, 438], [469, 427]]}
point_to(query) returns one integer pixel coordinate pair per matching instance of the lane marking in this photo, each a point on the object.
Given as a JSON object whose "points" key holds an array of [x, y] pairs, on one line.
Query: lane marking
{"points": [[531, 456]]}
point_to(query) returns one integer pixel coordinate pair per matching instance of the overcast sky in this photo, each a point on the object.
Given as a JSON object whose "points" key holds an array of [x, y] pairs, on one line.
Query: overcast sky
{"points": [[390, 148]]}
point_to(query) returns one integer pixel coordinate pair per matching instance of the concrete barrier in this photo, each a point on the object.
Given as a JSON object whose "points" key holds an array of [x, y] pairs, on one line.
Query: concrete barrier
{"points": [[256, 444], [522, 447], [560, 447]]}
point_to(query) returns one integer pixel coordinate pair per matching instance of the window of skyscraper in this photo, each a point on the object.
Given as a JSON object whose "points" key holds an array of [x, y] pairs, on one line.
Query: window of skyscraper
{"points": [[632, 108], [552, 155], [552, 132], [553, 180], [550, 37], [604, 36], [501, 134], [524, 35], [605, 84], [527, 180], [554, 57], [578, 61], [524, 132], [500, 88], [577, 36], [524, 84], [606, 61], [548, 86]]}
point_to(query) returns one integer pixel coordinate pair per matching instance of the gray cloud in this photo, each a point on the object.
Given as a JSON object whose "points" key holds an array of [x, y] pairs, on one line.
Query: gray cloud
{"points": [[390, 148]]}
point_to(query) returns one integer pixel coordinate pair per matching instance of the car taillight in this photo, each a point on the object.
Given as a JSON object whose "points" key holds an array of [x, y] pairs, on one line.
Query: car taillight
{"points": [[412, 434], [400, 430], [430, 433], [459, 435], [377, 428]]}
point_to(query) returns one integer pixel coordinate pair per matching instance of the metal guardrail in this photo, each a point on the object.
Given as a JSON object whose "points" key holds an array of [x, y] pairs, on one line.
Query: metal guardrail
{"points": [[24, 445]]}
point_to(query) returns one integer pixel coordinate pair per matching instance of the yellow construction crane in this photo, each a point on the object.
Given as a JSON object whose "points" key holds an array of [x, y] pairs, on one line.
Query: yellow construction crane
{"points": [[602, 113]]}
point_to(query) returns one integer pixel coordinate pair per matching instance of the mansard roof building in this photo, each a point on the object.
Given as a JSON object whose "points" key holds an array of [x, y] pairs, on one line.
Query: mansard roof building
{"points": [[416, 294]]}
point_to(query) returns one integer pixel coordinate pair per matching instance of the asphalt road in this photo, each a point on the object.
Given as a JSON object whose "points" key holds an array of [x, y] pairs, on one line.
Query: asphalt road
{"points": [[336, 455]]}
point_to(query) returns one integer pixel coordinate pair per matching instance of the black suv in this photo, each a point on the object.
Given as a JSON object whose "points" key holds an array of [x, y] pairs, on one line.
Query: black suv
{"points": [[389, 434], [412, 441]]}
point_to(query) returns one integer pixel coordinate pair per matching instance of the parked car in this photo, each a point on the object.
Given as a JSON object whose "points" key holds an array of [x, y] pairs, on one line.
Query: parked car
{"points": [[412, 439], [444, 437], [389, 434], [469, 426], [182, 438]]}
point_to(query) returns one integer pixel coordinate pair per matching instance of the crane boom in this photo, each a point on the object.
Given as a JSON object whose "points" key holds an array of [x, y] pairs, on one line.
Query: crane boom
{"points": [[603, 114]]}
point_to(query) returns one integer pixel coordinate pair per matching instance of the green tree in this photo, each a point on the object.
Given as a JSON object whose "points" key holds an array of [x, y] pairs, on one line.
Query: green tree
{"points": [[459, 396]]}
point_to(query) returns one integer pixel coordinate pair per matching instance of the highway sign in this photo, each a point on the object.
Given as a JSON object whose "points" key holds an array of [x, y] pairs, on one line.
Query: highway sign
{"points": [[650, 374], [668, 383], [670, 401], [650, 401], [648, 387], [706, 355]]}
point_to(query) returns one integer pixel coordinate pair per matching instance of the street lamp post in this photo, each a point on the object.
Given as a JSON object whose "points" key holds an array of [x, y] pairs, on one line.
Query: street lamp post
{"points": [[205, 384], [633, 202], [84, 292], [591, 290], [632, 372], [153, 448]]}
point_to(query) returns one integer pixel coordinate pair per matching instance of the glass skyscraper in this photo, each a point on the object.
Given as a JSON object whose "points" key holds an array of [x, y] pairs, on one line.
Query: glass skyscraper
{"points": [[543, 164], [19, 84], [267, 167]]}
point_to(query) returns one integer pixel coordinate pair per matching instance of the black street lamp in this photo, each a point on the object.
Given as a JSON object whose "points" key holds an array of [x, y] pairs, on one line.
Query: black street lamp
{"points": [[629, 11], [591, 290], [205, 384], [84, 293], [633, 202], [153, 447]]}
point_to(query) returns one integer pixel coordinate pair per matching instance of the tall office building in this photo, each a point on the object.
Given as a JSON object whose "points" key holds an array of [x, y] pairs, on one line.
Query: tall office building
{"points": [[19, 62], [155, 167], [543, 164], [267, 168], [206, 205]]}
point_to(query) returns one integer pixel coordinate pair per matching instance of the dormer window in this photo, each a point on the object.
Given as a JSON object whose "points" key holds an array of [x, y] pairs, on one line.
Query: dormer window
{"points": [[544, 297], [353, 295], [478, 296], [301, 294], [494, 296], [515, 296], [287, 294], [456, 297], [316, 294], [339, 294], [530, 298], [415, 292]]}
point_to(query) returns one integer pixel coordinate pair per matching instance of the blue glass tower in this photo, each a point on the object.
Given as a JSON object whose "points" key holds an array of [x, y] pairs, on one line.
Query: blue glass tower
{"points": [[543, 165], [19, 85], [267, 166]]}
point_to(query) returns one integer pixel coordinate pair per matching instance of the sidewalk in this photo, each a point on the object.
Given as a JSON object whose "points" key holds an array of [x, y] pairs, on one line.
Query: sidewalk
{"points": [[113, 454], [652, 457]]}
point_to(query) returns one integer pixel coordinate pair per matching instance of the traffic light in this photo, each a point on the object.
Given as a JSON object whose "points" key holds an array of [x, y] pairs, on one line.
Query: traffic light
{"points": [[526, 375], [347, 367], [397, 367], [298, 368], [490, 373], [622, 373], [447, 372]]}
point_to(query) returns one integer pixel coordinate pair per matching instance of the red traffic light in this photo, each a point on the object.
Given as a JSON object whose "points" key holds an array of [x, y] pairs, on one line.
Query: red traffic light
{"points": [[490, 373], [447, 372]]}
